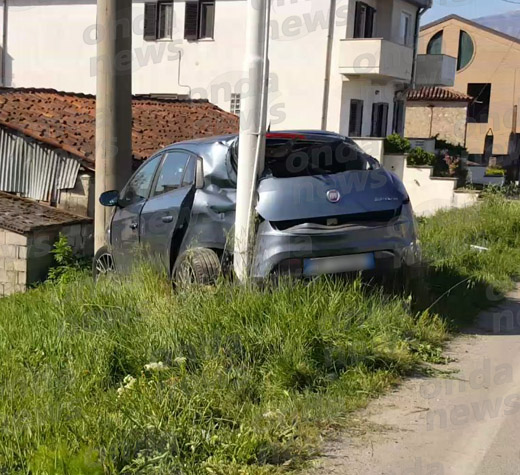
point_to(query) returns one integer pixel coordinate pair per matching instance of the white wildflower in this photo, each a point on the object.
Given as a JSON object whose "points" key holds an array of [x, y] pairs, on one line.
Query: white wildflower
{"points": [[128, 383], [159, 366], [272, 414], [180, 360]]}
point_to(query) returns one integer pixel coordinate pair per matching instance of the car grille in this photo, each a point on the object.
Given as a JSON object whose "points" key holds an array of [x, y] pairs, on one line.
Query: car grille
{"points": [[373, 218]]}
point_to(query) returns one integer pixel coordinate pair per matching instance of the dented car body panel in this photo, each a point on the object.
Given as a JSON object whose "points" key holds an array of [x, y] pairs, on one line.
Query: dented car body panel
{"points": [[307, 212]]}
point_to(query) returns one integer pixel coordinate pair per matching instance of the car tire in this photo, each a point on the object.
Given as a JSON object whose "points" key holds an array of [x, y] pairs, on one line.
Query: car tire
{"points": [[103, 263], [199, 265]]}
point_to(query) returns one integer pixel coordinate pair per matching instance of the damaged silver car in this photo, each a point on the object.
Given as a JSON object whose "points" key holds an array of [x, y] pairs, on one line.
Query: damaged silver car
{"points": [[323, 207]]}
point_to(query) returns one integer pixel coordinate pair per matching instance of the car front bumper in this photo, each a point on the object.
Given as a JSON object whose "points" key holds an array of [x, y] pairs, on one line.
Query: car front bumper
{"points": [[391, 245]]}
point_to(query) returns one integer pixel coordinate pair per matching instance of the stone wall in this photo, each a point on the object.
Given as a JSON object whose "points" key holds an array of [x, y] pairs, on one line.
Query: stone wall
{"points": [[13, 262], [449, 121]]}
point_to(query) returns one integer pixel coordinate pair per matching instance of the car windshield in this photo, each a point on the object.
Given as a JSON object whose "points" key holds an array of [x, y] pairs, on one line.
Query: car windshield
{"points": [[302, 156]]}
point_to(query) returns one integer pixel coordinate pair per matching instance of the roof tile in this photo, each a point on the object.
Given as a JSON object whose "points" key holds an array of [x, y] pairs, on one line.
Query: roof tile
{"points": [[440, 94], [22, 215], [67, 120]]}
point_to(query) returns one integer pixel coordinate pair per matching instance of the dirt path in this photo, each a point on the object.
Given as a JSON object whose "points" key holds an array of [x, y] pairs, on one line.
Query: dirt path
{"points": [[466, 422]]}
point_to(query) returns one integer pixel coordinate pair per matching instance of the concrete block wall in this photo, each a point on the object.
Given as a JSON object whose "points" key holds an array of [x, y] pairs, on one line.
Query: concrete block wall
{"points": [[13, 262], [80, 199], [41, 242]]}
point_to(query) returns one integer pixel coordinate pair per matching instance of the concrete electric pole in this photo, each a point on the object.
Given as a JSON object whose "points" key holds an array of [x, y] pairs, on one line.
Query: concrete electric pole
{"points": [[113, 104], [251, 145]]}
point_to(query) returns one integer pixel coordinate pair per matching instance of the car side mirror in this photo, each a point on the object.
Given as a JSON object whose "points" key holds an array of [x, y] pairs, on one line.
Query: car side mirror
{"points": [[109, 198]]}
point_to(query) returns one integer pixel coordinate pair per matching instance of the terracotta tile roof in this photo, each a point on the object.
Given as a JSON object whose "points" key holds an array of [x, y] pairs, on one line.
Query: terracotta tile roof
{"points": [[67, 120], [440, 94], [22, 215]]}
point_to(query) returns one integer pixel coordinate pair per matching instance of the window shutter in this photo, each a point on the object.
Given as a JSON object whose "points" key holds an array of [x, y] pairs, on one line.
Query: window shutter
{"points": [[384, 119], [369, 22], [150, 21], [375, 110], [191, 20], [359, 20]]}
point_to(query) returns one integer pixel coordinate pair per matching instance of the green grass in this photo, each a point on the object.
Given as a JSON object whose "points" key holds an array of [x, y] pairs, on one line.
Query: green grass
{"points": [[479, 278], [252, 378]]}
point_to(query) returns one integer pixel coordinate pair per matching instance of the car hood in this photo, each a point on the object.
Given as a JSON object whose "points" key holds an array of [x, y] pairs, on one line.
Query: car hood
{"points": [[363, 191]]}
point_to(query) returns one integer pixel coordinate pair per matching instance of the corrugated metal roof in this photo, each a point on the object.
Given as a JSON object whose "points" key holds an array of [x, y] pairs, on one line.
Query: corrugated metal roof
{"points": [[32, 169], [439, 94], [22, 216], [67, 121]]}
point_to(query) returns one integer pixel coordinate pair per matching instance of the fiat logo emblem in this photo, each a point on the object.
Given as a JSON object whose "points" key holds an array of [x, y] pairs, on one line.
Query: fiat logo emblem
{"points": [[333, 196]]}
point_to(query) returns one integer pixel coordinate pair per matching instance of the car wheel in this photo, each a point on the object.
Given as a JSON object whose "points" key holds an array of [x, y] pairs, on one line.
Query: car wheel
{"points": [[197, 266], [103, 262]]}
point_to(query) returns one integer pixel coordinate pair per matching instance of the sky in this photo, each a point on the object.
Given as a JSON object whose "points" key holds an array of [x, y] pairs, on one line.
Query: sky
{"points": [[469, 8]]}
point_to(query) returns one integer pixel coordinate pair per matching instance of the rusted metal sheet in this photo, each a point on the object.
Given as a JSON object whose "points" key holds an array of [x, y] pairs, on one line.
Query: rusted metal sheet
{"points": [[33, 169]]}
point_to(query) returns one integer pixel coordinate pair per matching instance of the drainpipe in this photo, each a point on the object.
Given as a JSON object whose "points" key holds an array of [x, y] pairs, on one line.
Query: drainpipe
{"points": [[4, 41], [326, 86]]}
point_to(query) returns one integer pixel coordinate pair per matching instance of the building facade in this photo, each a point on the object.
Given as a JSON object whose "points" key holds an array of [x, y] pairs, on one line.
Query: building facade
{"points": [[488, 64], [437, 112], [341, 65]]}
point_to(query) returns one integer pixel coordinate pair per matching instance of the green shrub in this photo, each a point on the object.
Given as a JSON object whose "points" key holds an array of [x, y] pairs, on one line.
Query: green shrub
{"points": [[495, 171], [396, 144], [419, 157], [67, 265], [452, 149]]}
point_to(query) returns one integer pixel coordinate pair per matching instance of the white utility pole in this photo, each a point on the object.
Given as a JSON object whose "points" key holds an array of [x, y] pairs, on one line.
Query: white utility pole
{"points": [[251, 145], [113, 104]]}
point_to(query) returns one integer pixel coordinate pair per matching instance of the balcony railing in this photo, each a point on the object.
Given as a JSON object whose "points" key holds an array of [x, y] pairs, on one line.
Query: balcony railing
{"points": [[375, 57], [436, 70]]}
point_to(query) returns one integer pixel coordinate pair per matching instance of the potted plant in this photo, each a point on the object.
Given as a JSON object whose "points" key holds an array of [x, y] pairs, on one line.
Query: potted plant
{"points": [[495, 175], [396, 148]]}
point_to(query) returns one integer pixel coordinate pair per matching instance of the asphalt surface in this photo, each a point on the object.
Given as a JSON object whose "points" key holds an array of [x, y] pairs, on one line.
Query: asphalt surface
{"points": [[463, 421]]}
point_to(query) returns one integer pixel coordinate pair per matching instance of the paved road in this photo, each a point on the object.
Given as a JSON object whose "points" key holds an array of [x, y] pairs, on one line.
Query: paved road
{"points": [[466, 423]]}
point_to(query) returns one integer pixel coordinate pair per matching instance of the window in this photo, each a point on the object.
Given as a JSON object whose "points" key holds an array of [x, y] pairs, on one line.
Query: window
{"points": [[364, 21], [199, 20], [466, 50], [398, 119], [235, 103], [405, 30], [172, 172], [356, 118], [478, 110], [435, 44], [158, 20], [137, 189], [379, 119]]}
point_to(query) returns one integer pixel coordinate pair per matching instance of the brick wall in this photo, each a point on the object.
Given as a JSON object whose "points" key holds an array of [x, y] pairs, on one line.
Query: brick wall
{"points": [[13, 262], [449, 121]]}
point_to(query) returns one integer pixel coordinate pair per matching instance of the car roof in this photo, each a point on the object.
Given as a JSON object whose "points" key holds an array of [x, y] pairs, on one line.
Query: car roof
{"points": [[308, 134]]}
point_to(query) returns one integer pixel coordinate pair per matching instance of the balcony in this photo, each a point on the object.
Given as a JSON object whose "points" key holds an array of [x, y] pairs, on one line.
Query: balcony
{"points": [[375, 58], [422, 3], [436, 70]]}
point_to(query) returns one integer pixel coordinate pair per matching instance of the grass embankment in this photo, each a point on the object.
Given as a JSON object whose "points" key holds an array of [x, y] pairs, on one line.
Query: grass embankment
{"points": [[250, 378], [478, 277]]}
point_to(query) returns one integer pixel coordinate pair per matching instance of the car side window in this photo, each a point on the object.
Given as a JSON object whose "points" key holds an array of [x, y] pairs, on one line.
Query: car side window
{"points": [[137, 189], [173, 173]]}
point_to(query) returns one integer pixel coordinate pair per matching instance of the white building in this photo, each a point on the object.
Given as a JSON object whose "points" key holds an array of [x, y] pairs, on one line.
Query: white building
{"points": [[343, 71]]}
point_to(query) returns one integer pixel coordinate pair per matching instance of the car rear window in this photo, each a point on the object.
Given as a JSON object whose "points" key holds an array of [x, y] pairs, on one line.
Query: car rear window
{"points": [[285, 158]]}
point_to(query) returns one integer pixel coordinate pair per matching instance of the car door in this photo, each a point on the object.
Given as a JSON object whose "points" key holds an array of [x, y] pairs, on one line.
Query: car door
{"points": [[169, 207], [125, 223]]}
